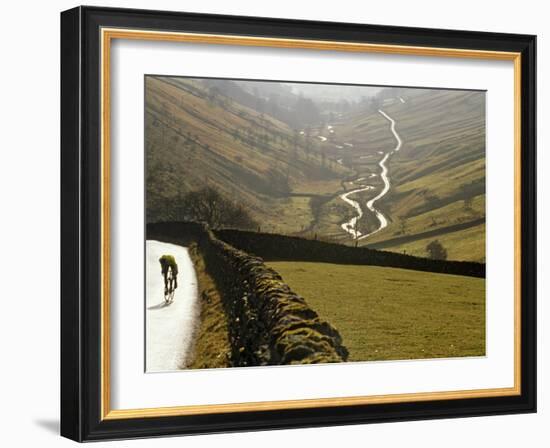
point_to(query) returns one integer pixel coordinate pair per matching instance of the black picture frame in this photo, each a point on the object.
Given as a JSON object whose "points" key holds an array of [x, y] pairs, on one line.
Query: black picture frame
{"points": [[81, 224]]}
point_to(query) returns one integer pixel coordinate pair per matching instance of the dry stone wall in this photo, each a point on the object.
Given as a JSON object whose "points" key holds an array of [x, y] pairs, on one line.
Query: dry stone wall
{"points": [[268, 323]]}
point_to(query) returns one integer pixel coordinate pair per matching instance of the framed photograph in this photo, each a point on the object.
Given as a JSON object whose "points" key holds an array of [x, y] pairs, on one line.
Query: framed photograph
{"points": [[273, 223]]}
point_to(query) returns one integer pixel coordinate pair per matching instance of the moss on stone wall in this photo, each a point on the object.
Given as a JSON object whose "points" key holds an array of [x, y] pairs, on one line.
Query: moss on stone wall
{"points": [[268, 323]]}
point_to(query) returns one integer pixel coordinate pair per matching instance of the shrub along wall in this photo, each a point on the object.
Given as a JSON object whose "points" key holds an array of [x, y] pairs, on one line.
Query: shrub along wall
{"points": [[287, 248], [268, 323]]}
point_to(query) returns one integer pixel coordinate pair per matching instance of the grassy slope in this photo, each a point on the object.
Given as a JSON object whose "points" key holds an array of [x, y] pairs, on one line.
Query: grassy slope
{"points": [[443, 151], [389, 313], [468, 244], [193, 139], [212, 348]]}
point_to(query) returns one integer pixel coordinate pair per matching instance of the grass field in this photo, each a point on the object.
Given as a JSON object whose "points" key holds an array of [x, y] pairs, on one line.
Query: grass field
{"points": [[389, 314], [212, 348]]}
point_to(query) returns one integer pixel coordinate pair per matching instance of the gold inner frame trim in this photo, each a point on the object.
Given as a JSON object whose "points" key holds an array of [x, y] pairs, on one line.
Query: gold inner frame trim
{"points": [[107, 35]]}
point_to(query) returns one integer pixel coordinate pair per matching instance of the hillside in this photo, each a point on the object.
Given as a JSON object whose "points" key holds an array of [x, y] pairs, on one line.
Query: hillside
{"points": [[437, 177], [196, 136], [314, 170]]}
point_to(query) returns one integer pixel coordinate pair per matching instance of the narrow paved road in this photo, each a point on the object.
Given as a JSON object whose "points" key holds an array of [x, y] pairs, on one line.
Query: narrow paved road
{"points": [[351, 225], [384, 175], [169, 328]]}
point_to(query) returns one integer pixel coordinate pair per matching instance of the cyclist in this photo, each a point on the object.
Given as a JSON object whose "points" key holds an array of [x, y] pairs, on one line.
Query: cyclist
{"points": [[169, 270]]}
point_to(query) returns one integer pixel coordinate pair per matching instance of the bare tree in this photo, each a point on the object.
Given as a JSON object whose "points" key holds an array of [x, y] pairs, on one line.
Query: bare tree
{"points": [[468, 203], [436, 251], [403, 225], [278, 182], [211, 207]]}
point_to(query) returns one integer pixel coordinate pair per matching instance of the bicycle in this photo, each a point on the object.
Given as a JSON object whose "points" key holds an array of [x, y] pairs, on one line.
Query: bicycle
{"points": [[170, 286], [169, 270]]}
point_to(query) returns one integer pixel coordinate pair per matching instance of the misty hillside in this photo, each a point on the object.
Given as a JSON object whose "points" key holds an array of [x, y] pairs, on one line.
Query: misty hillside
{"points": [[334, 93], [305, 165], [438, 176], [195, 135]]}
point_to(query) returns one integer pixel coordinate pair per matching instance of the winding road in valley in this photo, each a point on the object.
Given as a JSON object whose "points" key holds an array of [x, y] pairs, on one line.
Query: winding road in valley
{"points": [[351, 225]]}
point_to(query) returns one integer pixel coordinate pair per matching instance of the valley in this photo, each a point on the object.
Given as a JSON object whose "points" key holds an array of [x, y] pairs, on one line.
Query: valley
{"points": [[393, 171]]}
